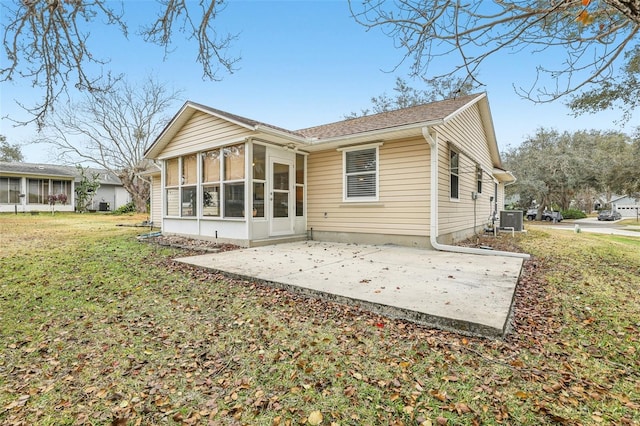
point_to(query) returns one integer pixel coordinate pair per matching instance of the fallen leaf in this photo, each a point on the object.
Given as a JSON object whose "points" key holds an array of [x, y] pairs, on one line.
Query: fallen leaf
{"points": [[315, 418]]}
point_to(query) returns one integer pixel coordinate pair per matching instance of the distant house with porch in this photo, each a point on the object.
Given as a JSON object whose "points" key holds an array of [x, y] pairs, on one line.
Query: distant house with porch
{"points": [[415, 176], [26, 187]]}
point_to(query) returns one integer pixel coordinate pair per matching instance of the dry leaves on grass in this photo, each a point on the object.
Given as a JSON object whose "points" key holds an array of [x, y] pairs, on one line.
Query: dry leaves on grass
{"points": [[195, 347]]}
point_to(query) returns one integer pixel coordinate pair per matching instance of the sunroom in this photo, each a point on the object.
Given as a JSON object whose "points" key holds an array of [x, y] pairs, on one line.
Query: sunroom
{"points": [[246, 193]]}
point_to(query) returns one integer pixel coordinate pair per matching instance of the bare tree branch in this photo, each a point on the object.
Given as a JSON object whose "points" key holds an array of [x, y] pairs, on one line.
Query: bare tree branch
{"points": [[588, 41], [48, 43], [112, 129], [197, 25]]}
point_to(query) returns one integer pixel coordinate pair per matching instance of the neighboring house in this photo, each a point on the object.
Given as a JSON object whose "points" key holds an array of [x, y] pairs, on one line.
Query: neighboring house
{"points": [[25, 187], [111, 195], [627, 206], [418, 176]]}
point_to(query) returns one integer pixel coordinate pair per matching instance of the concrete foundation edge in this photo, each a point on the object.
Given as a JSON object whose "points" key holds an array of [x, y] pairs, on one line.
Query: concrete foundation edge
{"points": [[462, 327]]}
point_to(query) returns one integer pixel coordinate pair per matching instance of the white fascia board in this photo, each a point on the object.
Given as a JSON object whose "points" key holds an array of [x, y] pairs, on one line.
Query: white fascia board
{"points": [[374, 135], [300, 140]]}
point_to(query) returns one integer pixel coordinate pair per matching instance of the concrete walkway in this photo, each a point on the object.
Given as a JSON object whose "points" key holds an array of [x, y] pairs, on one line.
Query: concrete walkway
{"points": [[470, 294]]}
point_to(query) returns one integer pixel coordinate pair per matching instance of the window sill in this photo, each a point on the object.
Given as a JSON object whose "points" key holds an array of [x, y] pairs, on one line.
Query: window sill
{"points": [[229, 219]]}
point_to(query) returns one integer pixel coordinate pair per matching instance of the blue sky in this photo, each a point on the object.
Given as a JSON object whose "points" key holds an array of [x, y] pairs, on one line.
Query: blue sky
{"points": [[303, 63]]}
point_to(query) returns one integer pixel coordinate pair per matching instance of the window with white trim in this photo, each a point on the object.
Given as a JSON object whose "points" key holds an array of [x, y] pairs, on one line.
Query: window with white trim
{"points": [[39, 190], [259, 166], [211, 183], [233, 182], [479, 178], [361, 174], [189, 188], [300, 160], [454, 173], [172, 187], [9, 190]]}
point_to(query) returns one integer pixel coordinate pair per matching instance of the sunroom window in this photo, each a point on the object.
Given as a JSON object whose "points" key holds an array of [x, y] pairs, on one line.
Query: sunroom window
{"points": [[233, 181], [206, 184], [300, 184], [172, 182], [259, 166], [211, 183]]}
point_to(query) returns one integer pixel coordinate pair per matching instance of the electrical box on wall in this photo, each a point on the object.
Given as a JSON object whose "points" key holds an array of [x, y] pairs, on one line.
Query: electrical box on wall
{"points": [[474, 195]]}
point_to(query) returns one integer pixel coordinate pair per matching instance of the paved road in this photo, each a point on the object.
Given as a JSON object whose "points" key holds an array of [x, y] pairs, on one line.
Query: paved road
{"points": [[592, 224]]}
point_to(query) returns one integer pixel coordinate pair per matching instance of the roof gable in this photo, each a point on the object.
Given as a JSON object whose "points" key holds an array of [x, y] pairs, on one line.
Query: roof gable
{"points": [[397, 123], [188, 110]]}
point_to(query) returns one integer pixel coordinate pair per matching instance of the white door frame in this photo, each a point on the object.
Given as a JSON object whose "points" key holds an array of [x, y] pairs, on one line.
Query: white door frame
{"points": [[281, 225]]}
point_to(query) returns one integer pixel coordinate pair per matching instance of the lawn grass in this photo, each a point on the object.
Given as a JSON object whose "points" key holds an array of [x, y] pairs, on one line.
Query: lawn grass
{"points": [[98, 328]]}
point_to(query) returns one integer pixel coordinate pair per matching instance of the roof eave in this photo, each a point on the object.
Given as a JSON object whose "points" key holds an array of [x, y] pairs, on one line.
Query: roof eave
{"points": [[297, 139], [503, 176], [380, 134]]}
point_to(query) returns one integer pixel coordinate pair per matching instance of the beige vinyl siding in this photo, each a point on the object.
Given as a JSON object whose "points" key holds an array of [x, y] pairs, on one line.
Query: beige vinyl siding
{"points": [[156, 200], [403, 198], [203, 131], [466, 134]]}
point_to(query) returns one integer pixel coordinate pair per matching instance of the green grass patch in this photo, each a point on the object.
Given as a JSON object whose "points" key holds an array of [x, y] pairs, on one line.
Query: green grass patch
{"points": [[98, 328]]}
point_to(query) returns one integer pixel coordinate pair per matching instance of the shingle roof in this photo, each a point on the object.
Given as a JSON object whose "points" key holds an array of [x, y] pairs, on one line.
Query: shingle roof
{"points": [[401, 117], [34, 169], [104, 176]]}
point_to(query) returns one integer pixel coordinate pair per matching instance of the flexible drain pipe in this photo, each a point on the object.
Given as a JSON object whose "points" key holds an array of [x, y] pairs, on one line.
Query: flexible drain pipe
{"points": [[433, 230]]}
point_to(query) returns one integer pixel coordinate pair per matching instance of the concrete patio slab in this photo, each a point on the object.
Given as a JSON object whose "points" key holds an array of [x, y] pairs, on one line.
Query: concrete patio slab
{"points": [[469, 294]]}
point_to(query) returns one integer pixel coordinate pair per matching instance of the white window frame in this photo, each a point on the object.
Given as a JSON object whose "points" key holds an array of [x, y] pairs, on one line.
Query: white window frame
{"points": [[344, 151], [452, 150]]}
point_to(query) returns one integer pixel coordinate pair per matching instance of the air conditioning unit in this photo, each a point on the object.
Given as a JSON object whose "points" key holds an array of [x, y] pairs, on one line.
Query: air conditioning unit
{"points": [[511, 219]]}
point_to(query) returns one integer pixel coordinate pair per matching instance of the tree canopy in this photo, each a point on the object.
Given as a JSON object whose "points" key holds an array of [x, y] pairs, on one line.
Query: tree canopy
{"points": [[564, 170], [9, 152], [49, 42], [588, 39], [406, 96]]}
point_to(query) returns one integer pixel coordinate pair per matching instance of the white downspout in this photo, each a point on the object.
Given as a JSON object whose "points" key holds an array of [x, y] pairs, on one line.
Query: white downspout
{"points": [[433, 228]]}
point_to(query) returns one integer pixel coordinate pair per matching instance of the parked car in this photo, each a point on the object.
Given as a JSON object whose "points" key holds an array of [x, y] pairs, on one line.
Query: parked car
{"points": [[547, 215], [609, 215]]}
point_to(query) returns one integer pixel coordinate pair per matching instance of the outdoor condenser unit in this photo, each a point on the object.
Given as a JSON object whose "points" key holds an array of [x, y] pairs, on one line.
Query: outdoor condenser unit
{"points": [[511, 219]]}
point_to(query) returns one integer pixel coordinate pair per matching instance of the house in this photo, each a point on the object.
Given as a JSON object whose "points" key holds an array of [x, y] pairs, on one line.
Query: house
{"points": [[626, 205], [26, 187], [419, 176], [111, 195]]}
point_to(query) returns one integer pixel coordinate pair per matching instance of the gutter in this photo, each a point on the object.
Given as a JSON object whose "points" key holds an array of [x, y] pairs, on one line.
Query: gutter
{"points": [[433, 228]]}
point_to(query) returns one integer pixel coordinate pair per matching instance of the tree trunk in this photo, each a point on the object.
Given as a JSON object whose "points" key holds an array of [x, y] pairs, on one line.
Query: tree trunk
{"points": [[138, 188]]}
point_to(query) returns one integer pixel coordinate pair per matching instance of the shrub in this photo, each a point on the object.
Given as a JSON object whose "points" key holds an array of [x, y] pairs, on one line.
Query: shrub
{"points": [[130, 207], [573, 214]]}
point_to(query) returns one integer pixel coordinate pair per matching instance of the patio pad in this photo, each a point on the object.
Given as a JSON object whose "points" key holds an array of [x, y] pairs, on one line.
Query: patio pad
{"points": [[469, 294]]}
